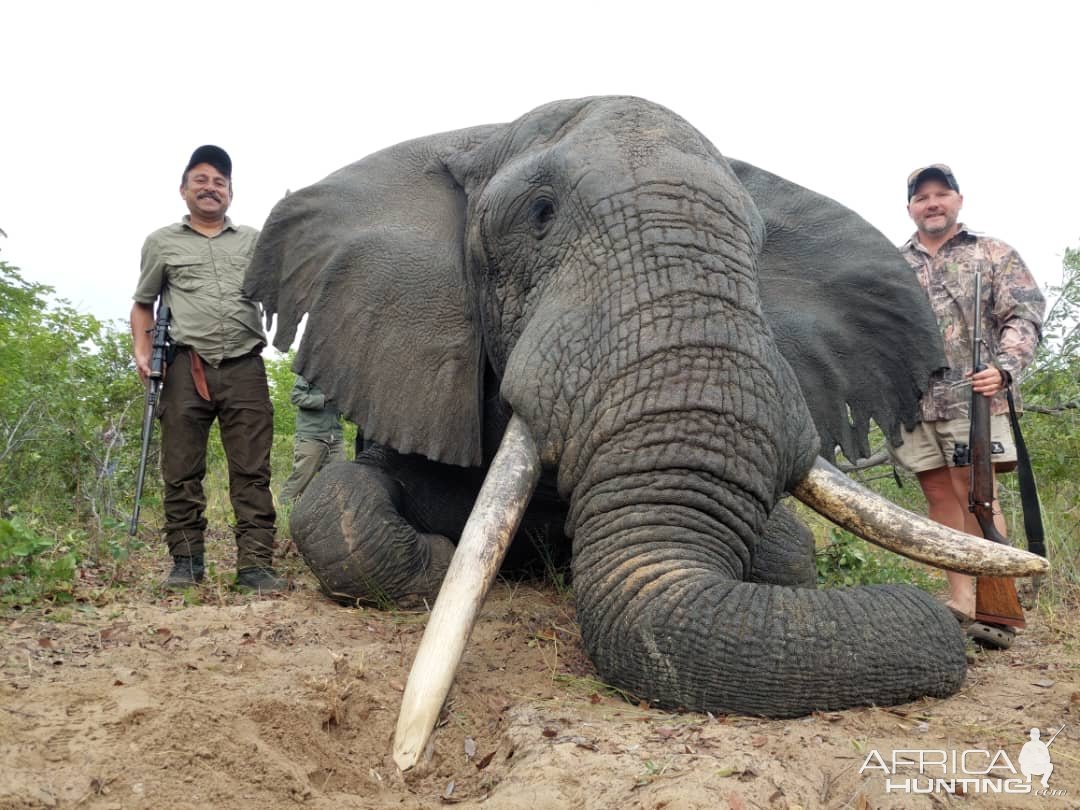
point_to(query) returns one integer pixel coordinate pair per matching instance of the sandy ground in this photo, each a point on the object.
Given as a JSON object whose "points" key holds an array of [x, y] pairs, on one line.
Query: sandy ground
{"points": [[284, 702]]}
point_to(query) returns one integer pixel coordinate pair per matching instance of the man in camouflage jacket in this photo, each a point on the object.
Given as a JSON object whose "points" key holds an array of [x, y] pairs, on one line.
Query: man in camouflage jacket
{"points": [[946, 257]]}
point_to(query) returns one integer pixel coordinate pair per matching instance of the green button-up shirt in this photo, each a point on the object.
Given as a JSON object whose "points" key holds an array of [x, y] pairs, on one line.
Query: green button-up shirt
{"points": [[201, 278]]}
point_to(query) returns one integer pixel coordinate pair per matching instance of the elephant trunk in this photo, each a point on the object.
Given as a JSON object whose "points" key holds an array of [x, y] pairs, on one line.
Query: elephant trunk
{"points": [[664, 611]]}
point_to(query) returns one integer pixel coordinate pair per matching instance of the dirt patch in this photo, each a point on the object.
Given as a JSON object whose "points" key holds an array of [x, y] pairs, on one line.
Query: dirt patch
{"points": [[292, 701]]}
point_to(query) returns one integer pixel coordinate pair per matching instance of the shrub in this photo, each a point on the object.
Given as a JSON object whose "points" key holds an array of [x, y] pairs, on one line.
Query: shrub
{"points": [[33, 568]]}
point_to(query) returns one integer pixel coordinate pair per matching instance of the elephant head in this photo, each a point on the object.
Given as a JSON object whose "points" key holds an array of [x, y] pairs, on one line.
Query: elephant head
{"points": [[678, 336]]}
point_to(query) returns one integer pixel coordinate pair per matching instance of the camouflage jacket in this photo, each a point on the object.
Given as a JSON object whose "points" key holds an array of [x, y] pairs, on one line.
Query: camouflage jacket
{"points": [[1012, 313]]}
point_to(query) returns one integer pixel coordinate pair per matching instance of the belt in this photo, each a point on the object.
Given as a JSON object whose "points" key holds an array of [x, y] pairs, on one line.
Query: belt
{"points": [[255, 352]]}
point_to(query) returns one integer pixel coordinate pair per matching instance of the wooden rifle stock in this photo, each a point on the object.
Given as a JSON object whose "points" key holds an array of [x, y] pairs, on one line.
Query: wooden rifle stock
{"points": [[996, 601]]}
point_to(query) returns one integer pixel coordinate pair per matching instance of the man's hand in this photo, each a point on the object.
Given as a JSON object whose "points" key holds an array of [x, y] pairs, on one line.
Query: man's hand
{"points": [[142, 365], [987, 382]]}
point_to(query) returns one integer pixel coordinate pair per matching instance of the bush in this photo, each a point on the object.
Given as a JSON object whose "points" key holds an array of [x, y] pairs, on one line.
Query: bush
{"points": [[70, 406], [846, 560], [33, 568], [1051, 426]]}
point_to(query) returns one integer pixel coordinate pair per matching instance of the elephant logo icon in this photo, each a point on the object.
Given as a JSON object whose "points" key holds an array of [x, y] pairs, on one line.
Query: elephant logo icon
{"points": [[1035, 757]]}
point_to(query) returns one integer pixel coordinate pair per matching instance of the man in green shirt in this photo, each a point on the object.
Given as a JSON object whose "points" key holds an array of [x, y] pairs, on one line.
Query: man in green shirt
{"points": [[197, 267], [318, 437]]}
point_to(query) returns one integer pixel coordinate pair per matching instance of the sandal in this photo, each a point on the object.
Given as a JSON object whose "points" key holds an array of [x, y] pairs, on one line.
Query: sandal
{"points": [[993, 636]]}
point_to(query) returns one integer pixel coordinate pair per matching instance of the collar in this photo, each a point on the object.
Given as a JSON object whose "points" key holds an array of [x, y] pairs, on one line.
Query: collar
{"points": [[963, 233], [185, 222]]}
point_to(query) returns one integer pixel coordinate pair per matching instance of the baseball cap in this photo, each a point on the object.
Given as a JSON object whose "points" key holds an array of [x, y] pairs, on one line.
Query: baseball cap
{"points": [[938, 170], [215, 156]]}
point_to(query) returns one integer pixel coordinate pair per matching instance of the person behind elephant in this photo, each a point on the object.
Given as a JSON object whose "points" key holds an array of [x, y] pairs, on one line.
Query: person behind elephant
{"points": [[216, 372], [946, 255], [318, 437]]}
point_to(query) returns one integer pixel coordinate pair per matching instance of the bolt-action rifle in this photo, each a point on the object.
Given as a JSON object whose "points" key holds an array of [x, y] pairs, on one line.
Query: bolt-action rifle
{"points": [[160, 343], [996, 602]]}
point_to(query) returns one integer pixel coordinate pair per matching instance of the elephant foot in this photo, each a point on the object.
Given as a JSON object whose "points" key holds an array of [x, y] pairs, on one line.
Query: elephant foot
{"points": [[422, 589], [349, 530]]}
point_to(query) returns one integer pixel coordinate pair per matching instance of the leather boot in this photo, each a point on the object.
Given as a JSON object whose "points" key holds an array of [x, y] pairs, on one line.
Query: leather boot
{"points": [[187, 572], [263, 580]]}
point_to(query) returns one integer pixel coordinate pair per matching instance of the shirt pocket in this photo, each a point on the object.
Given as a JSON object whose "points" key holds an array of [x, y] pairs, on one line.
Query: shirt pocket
{"points": [[189, 273], [231, 276]]}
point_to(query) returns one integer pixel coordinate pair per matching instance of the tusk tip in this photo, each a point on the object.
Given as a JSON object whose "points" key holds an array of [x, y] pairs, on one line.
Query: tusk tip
{"points": [[414, 745], [405, 759]]}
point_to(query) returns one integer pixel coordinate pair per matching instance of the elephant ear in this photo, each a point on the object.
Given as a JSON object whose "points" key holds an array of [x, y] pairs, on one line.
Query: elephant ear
{"points": [[847, 312], [374, 255]]}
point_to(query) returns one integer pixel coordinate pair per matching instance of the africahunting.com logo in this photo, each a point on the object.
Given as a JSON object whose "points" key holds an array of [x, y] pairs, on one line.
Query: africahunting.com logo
{"points": [[969, 772]]}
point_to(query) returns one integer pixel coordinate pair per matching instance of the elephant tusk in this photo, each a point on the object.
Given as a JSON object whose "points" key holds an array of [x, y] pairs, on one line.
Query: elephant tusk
{"points": [[852, 506], [495, 516]]}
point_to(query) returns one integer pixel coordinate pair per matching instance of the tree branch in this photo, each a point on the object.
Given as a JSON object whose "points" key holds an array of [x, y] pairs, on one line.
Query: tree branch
{"points": [[1053, 411], [881, 456]]}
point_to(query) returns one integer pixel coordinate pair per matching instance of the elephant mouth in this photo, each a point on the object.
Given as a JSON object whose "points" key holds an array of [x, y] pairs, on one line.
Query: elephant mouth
{"points": [[501, 504]]}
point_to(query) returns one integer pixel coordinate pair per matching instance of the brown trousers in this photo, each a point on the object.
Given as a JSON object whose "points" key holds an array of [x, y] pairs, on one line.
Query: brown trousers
{"points": [[240, 401]]}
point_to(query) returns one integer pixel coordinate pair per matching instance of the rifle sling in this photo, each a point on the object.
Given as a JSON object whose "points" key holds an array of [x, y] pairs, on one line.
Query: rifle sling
{"points": [[1029, 496]]}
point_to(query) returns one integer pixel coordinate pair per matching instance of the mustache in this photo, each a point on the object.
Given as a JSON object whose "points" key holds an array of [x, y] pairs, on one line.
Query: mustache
{"points": [[212, 194]]}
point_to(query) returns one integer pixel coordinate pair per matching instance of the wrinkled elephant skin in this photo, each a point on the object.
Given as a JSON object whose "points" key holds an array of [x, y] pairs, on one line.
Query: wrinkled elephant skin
{"points": [[680, 334]]}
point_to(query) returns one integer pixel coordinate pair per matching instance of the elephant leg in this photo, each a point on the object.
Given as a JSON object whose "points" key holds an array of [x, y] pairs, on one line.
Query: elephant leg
{"points": [[355, 531], [785, 553]]}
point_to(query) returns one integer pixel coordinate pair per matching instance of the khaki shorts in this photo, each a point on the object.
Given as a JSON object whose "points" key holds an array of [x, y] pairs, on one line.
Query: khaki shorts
{"points": [[932, 444]]}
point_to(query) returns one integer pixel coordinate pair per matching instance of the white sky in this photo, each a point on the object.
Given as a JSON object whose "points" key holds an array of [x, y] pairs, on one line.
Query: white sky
{"points": [[103, 102]]}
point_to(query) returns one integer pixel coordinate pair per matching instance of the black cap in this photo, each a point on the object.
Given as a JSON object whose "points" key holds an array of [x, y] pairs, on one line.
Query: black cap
{"points": [[215, 156], [936, 170]]}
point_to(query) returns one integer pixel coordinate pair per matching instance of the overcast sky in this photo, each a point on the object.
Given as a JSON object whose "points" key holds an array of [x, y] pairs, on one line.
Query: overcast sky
{"points": [[103, 103]]}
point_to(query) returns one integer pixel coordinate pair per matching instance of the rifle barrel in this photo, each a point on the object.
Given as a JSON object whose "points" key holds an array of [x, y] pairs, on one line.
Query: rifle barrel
{"points": [[147, 429], [1055, 734], [159, 346]]}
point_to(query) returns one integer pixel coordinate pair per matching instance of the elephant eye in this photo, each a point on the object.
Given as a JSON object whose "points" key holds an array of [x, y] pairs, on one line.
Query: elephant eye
{"points": [[541, 215]]}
